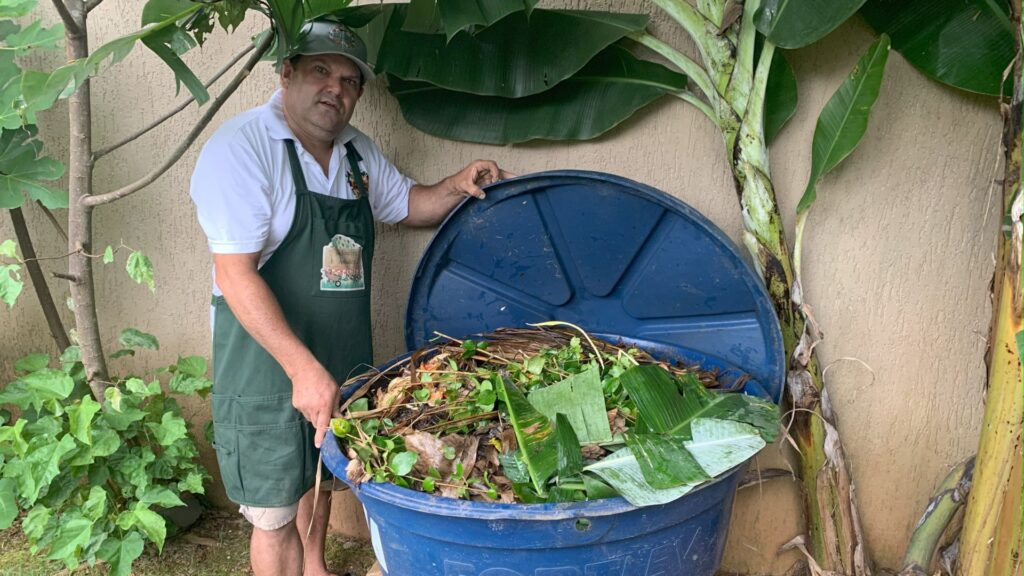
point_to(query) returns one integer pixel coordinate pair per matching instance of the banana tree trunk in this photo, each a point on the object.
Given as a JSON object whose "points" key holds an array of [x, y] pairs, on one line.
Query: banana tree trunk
{"points": [[990, 542]]}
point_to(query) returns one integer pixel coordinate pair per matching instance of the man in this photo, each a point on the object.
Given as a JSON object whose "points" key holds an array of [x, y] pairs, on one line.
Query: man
{"points": [[287, 194]]}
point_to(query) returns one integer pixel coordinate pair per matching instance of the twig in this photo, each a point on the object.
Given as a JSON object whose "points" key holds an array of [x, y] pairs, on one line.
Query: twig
{"points": [[53, 220], [68, 277], [99, 199], [104, 151], [92, 4], [42, 289], [69, 22]]}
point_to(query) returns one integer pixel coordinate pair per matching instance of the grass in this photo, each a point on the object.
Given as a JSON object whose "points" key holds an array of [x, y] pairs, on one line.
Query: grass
{"points": [[218, 545]]}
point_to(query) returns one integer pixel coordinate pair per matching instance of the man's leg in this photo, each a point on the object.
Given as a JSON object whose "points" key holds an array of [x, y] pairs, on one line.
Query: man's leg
{"points": [[313, 544], [275, 550]]}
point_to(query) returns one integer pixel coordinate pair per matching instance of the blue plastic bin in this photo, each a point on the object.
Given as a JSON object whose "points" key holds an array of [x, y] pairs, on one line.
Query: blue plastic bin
{"points": [[624, 261]]}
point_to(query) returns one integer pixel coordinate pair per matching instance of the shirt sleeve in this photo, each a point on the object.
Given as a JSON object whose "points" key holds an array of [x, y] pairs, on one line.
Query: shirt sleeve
{"points": [[232, 193], [389, 188]]}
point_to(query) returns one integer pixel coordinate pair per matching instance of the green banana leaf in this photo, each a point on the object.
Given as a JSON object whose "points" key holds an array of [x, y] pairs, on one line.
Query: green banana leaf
{"points": [[664, 461], [622, 472], [797, 23], [513, 58], [581, 399], [844, 119], [454, 16], [570, 457], [423, 17], [967, 44], [607, 91], [538, 445], [658, 399], [780, 98], [720, 445]]}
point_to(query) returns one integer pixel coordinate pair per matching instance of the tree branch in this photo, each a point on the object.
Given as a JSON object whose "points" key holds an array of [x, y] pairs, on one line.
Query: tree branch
{"points": [[104, 151], [42, 289], [69, 22], [99, 199], [92, 4], [53, 220]]}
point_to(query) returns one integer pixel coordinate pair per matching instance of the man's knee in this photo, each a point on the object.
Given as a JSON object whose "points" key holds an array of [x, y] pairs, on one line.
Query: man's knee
{"points": [[270, 519]]}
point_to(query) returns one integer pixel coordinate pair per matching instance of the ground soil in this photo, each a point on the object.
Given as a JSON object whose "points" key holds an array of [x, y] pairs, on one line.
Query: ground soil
{"points": [[218, 545]]}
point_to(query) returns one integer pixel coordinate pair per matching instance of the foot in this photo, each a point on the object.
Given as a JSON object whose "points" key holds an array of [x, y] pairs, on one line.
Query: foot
{"points": [[318, 570]]}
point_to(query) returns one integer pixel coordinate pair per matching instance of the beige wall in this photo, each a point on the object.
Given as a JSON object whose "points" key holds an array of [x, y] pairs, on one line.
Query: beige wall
{"points": [[898, 252]]}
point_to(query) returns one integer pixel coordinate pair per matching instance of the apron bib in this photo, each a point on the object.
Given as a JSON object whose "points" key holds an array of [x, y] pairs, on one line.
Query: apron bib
{"points": [[320, 275]]}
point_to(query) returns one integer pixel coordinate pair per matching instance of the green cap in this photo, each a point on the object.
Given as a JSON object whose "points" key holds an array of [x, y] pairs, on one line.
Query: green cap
{"points": [[324, 36]]}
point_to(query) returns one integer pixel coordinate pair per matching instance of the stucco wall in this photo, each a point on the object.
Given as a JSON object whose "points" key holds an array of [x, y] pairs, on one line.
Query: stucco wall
{"points": [[898, 252]]}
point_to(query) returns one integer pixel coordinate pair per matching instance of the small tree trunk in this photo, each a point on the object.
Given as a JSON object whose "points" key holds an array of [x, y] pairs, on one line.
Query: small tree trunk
{"points": [[42, 289], [990, 542], [80, 215]]}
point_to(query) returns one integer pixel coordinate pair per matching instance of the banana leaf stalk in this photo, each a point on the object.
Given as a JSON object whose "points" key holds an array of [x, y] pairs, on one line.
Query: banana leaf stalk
{"points": [[991, 539], [735, 91], [948, 499]]}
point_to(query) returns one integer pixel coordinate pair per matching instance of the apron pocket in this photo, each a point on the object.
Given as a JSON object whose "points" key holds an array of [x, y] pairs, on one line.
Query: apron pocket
{"points": [[340, 261], [264, 410], [225, 443], [274, 462]]}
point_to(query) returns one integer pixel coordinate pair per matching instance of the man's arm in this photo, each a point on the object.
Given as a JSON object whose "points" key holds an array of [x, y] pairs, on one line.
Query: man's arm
{"points": [[314, 392], [428, 205]]}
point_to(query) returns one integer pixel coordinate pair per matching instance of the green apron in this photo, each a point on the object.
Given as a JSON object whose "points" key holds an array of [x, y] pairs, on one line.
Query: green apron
{"points": [[320, 275]]}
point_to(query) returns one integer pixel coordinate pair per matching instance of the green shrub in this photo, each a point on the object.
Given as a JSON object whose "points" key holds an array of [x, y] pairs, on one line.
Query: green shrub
{"points": [[92, 477]]}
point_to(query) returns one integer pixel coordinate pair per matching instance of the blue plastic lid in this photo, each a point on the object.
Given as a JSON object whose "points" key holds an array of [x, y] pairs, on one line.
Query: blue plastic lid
{"points": [[602, 252]]}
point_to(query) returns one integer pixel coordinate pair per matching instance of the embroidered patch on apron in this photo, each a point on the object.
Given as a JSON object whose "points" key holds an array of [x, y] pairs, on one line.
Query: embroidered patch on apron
{"points": [[357, 190], [342, 265]]}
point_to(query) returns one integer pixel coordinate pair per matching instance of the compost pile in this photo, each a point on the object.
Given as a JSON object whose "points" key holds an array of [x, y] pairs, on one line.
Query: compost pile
{"points": [[547, 415]]}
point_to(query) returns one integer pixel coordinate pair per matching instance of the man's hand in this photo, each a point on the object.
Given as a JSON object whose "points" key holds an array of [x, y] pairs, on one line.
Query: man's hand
{"points": [[316, 395], [469, 180], [428, 205]]}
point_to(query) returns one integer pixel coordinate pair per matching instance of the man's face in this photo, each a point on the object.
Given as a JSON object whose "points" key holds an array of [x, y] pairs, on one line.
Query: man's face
{"points": [[319, 94]]}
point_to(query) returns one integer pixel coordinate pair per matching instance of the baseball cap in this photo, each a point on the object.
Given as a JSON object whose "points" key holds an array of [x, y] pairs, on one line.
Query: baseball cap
{"points": [[323, 36]]}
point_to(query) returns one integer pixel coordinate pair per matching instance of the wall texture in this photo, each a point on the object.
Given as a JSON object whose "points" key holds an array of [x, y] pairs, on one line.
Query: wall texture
{"points": [[898, 252]]}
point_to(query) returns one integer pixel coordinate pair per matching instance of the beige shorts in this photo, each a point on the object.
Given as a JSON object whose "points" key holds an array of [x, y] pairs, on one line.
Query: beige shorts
{"points": [[277, 517]]}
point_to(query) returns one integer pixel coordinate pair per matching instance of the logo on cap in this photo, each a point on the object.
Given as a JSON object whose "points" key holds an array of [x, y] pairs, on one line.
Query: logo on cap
{"points": [[342, 37]]}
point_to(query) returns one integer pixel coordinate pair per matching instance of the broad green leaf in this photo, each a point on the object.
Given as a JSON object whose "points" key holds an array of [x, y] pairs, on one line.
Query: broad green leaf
{"points": [[122, 353], [720, 445], [80, 416], [121, 553], [11, 436], [422, 17], [23, 170], [596, 489], [845, 117], [193, 482], [159, 10], [43, 463], [48, 384], [8, 249], [108, 255], [664, 460], [194, 366], [39, 90], [570, 458], [182, 73], [780, 98], [35, 37], [184, 384], [657, 398], [963, 43], [514, 467], [34, 523], [581, 398], [96, 504], [401, 463], [8, 502], [140, 269], [132, 338], [621, 470], [797, 23], [161, 496], [120, 420], [170, 429], [72, 535], [10, 283], [151, 523], [758, 412], [534, 433], [288, 19], [32, 362], [512, 58], [457, 15], [613, 86], [16, 8]]}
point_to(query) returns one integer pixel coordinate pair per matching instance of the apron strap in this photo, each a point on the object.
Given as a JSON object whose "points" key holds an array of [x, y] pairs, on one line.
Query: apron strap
{"points": [[293, 160], [354, 158]]}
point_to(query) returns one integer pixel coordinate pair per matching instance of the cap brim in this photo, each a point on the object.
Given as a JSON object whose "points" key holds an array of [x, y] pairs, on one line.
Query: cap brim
{"points": [[363, 66]]}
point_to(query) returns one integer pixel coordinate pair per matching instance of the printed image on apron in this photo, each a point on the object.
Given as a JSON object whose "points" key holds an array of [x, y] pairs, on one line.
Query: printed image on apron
{"points": [[342, 265]]}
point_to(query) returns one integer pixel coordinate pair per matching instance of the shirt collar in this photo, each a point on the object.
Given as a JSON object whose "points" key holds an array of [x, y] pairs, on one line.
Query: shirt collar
{"points": [[277, 126]]}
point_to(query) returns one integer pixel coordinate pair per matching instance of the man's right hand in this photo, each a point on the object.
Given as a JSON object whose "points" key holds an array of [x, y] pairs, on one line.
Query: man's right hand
{"points": [[316, 395]]}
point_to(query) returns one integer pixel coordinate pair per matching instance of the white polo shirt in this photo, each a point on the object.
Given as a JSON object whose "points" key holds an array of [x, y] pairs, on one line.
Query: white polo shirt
{"points": [[243, 190]]}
